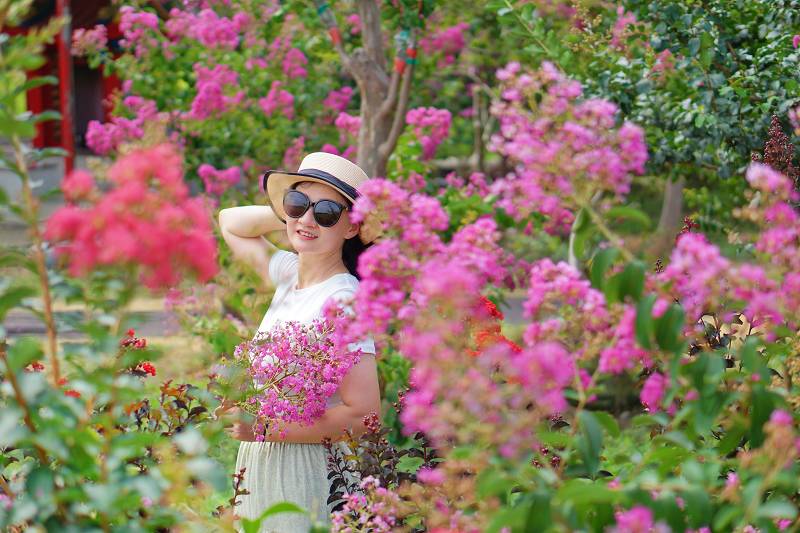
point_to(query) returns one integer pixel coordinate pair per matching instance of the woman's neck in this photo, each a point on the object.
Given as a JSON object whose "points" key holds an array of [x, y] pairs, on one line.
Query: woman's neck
{"points": [[316, 268]]}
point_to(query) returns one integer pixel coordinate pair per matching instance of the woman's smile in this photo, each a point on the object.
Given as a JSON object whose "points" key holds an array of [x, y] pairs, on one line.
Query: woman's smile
{"points": [[306, 235]]}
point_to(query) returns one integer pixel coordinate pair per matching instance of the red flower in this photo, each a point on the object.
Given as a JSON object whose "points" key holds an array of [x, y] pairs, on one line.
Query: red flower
{"points": [[147, 367], [35, 366], [492, 309], [131, 332], [73, 393]]}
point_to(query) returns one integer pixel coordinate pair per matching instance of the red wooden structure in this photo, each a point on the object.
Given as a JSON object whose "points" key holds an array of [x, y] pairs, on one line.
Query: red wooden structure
{"points": [[77, 102]]}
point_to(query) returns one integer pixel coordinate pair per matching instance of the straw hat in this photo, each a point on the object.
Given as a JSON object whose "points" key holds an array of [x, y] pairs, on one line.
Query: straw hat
{"points": [[328, 169]]}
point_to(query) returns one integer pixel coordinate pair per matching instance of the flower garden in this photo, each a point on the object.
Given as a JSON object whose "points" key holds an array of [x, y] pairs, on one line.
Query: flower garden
{"points": [[585, 300]]}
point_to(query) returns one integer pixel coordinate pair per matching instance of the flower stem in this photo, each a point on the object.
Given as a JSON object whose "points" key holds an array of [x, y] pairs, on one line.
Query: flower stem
{"points": [[612, 236], [32, 205]]}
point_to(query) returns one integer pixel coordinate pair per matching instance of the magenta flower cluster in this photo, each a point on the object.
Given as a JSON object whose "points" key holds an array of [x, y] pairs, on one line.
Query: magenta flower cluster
{"points": [[566, 150], [139, 29], [218, 181], [431, 127], [85, 41], [373, 510], [214, 86], [296, 368], [277, 100], [449, 42], [103, 138]]}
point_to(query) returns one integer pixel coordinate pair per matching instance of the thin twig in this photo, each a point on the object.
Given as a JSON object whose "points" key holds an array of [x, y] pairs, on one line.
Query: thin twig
{"points": [[32, 205]]}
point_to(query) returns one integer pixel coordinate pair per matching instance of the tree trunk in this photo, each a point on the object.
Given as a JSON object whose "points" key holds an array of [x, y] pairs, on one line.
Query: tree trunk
{"points": [[384, 99], [669, 223]]}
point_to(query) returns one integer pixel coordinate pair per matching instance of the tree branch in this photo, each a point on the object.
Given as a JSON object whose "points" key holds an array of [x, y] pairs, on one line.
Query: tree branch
{"points": [[371, 33], [399, 121], [388, 103]]}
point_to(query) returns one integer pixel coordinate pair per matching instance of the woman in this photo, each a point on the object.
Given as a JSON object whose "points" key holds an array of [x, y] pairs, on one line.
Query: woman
{"points": [[313, 206]]}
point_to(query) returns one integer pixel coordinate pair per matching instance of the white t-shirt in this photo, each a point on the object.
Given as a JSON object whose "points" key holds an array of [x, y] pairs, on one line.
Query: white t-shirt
{"points": [[305, 305]]}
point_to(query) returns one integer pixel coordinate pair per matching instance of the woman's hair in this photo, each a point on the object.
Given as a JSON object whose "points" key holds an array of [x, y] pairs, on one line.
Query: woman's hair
{"points": [[352, 248]]}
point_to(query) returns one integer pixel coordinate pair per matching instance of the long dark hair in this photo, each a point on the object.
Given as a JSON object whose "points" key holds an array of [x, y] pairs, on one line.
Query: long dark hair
{"points": [[352, 249]]}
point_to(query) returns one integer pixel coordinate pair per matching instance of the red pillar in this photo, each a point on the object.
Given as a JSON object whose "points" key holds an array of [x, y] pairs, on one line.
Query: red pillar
{"points": [[65, 85]]}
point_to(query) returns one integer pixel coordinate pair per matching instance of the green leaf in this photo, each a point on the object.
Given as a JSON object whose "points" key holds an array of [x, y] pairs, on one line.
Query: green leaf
{"points": [[24, 351], [40, 485], [591, 441], [15, 258], [731, 440], [669, 329], [762, 402], [45, 116], [34, 83], [12, 297], [608, 422], [631, 281], [644, 321], [253, 526], [600, 264], [629, 213], [777, 508], [584, 491]]}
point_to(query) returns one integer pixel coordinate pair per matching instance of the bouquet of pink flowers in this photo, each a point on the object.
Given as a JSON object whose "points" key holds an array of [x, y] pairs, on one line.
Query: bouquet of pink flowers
{"points": [[295, 369]]}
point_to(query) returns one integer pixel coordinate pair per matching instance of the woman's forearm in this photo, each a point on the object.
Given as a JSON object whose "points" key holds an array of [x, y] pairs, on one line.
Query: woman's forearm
{"points": [[250, 220], [330, 426]]}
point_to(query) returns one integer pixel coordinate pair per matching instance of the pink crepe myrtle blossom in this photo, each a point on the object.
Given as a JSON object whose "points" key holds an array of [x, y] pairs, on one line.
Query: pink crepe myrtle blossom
{"points": [[214, 86], [104, 138], [354, 21], [431, 126], [88, 41], [139, 30], [78, 185], [278, 99], [338, 99], [795, 41], [653, 391], [294, 63], [146, 221], [294, 153], [296, 368], [448, 41], [638, 519], [218, 181], [565, 149], [374, 508]]}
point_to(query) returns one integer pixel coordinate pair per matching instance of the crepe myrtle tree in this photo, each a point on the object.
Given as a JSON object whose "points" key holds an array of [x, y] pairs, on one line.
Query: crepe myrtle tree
{"points": [[385, 84]]}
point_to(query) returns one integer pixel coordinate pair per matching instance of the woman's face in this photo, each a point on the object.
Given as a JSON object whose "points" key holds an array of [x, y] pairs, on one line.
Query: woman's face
{"points": [[306, 236]]}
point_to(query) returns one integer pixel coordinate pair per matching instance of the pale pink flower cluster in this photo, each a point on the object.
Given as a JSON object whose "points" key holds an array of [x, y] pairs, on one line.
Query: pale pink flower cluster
{"points": [[277, 99], [348, 125], [768, 291], [620, 31], [475, 184], [338, 100], [424, 294], [218, 181], [566, 150], [372, 511], [104, 138], [447, 41], [146, 221], [296, 368], [294, 64], [139, 29], [431, 127], [354, 20], [89, 41], [294, 153], [206, 27], [211, 98]]}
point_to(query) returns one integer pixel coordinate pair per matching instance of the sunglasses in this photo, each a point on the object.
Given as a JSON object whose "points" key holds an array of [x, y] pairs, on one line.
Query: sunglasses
{"points": [[326, 212]]}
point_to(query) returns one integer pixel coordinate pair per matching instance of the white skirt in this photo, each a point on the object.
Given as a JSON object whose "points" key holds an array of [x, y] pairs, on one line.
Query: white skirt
{"points": [[281, 471]]}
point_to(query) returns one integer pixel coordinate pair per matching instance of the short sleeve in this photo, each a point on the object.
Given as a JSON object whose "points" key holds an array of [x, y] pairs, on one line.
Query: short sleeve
{"points": [[282, 265], [367, 345]]}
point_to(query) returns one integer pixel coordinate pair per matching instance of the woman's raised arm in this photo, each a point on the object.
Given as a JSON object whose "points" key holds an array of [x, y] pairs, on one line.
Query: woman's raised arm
{"points": [[243, 228]]}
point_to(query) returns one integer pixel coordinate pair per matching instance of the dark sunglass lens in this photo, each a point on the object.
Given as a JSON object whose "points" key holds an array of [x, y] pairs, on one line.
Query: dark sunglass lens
{"points": [[295, 204], [327, 213]]}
